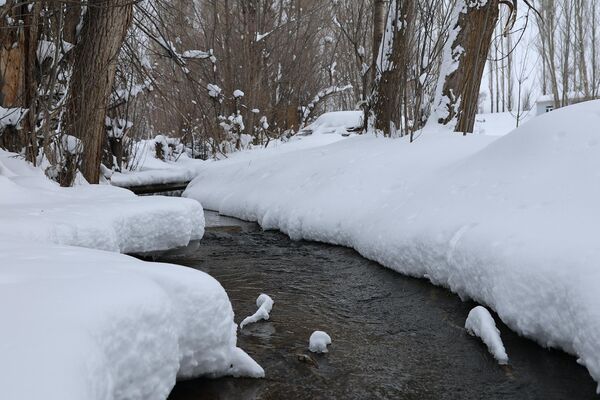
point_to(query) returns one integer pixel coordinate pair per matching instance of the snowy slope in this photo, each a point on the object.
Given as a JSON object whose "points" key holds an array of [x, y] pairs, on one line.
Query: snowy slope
{"points": [[326, 129], [511, 222]]}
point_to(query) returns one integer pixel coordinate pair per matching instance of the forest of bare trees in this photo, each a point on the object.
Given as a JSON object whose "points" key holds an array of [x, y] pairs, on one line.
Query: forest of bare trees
{"points": [[82, 80]]}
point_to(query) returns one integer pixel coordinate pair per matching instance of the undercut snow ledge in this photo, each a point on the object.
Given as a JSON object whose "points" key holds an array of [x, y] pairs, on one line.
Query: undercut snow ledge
{"points": [[102, 326], [92, 216], [79, 323], [514, 225]]}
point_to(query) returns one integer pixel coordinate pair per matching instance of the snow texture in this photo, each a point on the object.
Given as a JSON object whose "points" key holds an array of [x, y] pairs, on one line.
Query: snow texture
{"points": [[11, 116], [335, 122], [93, 216], [510, 222], [265, 305], [149, 170], [480, 323], [82, 323], [318, 342]]}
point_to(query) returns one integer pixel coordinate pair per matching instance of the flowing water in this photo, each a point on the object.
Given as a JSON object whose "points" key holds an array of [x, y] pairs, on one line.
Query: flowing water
{"points": [[393, 337]]}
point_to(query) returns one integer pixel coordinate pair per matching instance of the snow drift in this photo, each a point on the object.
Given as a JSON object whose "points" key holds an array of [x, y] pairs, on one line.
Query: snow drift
{"points": [[512, 223], [94, 216]]}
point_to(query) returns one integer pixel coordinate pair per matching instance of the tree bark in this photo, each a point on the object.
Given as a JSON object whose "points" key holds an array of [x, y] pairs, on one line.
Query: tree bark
{"points": [[104, 29], [18, 83], [391, 84], [379, 14], [475, 26]]}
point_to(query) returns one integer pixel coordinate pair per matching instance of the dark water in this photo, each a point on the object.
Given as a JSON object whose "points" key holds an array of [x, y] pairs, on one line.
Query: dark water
{"points": [[393, 337]]}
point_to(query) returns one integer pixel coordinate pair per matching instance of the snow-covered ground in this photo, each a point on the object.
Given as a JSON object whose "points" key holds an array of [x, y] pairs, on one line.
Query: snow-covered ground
{"points": [[326, 129], [149, 170], [499, 124], [93, 216], [511, 222], [81, 321]]}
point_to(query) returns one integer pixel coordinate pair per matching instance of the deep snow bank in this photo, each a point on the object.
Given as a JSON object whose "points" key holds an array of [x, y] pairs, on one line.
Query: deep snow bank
{"points": [[513, 224], [94, 216], [86, 324]]}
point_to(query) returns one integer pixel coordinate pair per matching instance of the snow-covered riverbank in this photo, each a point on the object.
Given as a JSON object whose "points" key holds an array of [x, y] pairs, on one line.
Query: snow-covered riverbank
{"points": [[510, 222], [81, 321]]}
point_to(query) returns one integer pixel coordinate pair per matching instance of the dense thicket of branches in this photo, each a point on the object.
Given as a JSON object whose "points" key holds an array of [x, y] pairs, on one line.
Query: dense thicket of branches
{"points": [[81, 80]]}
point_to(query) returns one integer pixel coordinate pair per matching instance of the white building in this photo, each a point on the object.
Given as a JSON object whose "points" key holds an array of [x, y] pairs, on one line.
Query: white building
{"points": [[546, 103]]}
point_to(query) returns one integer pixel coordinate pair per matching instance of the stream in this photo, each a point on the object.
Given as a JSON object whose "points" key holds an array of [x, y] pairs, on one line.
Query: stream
{"points": [[394, 337]]}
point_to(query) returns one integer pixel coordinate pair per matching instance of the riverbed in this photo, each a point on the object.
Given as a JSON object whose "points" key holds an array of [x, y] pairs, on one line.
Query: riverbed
{"points": [[394, 337]]}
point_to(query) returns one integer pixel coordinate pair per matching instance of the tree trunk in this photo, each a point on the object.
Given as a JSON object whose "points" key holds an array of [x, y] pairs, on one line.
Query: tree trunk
{"points": [[18, 83], [392, 76], [104, 28], [379, 14], [475, 25]]}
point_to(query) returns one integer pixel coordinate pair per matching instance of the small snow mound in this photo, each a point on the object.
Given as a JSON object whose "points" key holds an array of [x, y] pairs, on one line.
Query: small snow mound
{"points": [[318, 342], [265, 305], [480, 323]]}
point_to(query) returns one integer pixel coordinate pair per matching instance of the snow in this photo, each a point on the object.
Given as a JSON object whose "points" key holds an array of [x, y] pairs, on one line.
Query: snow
{"points": [[499, 124], [99, 217], [320, 96], [450, 61], [480, 323], [265, 305], [238, 93], [318, 342], [80, 322], [335, 122], [147, 169], [511, 222], [47, 49], [197, 54], [213, 90], [11, 116], [97, 325]]}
